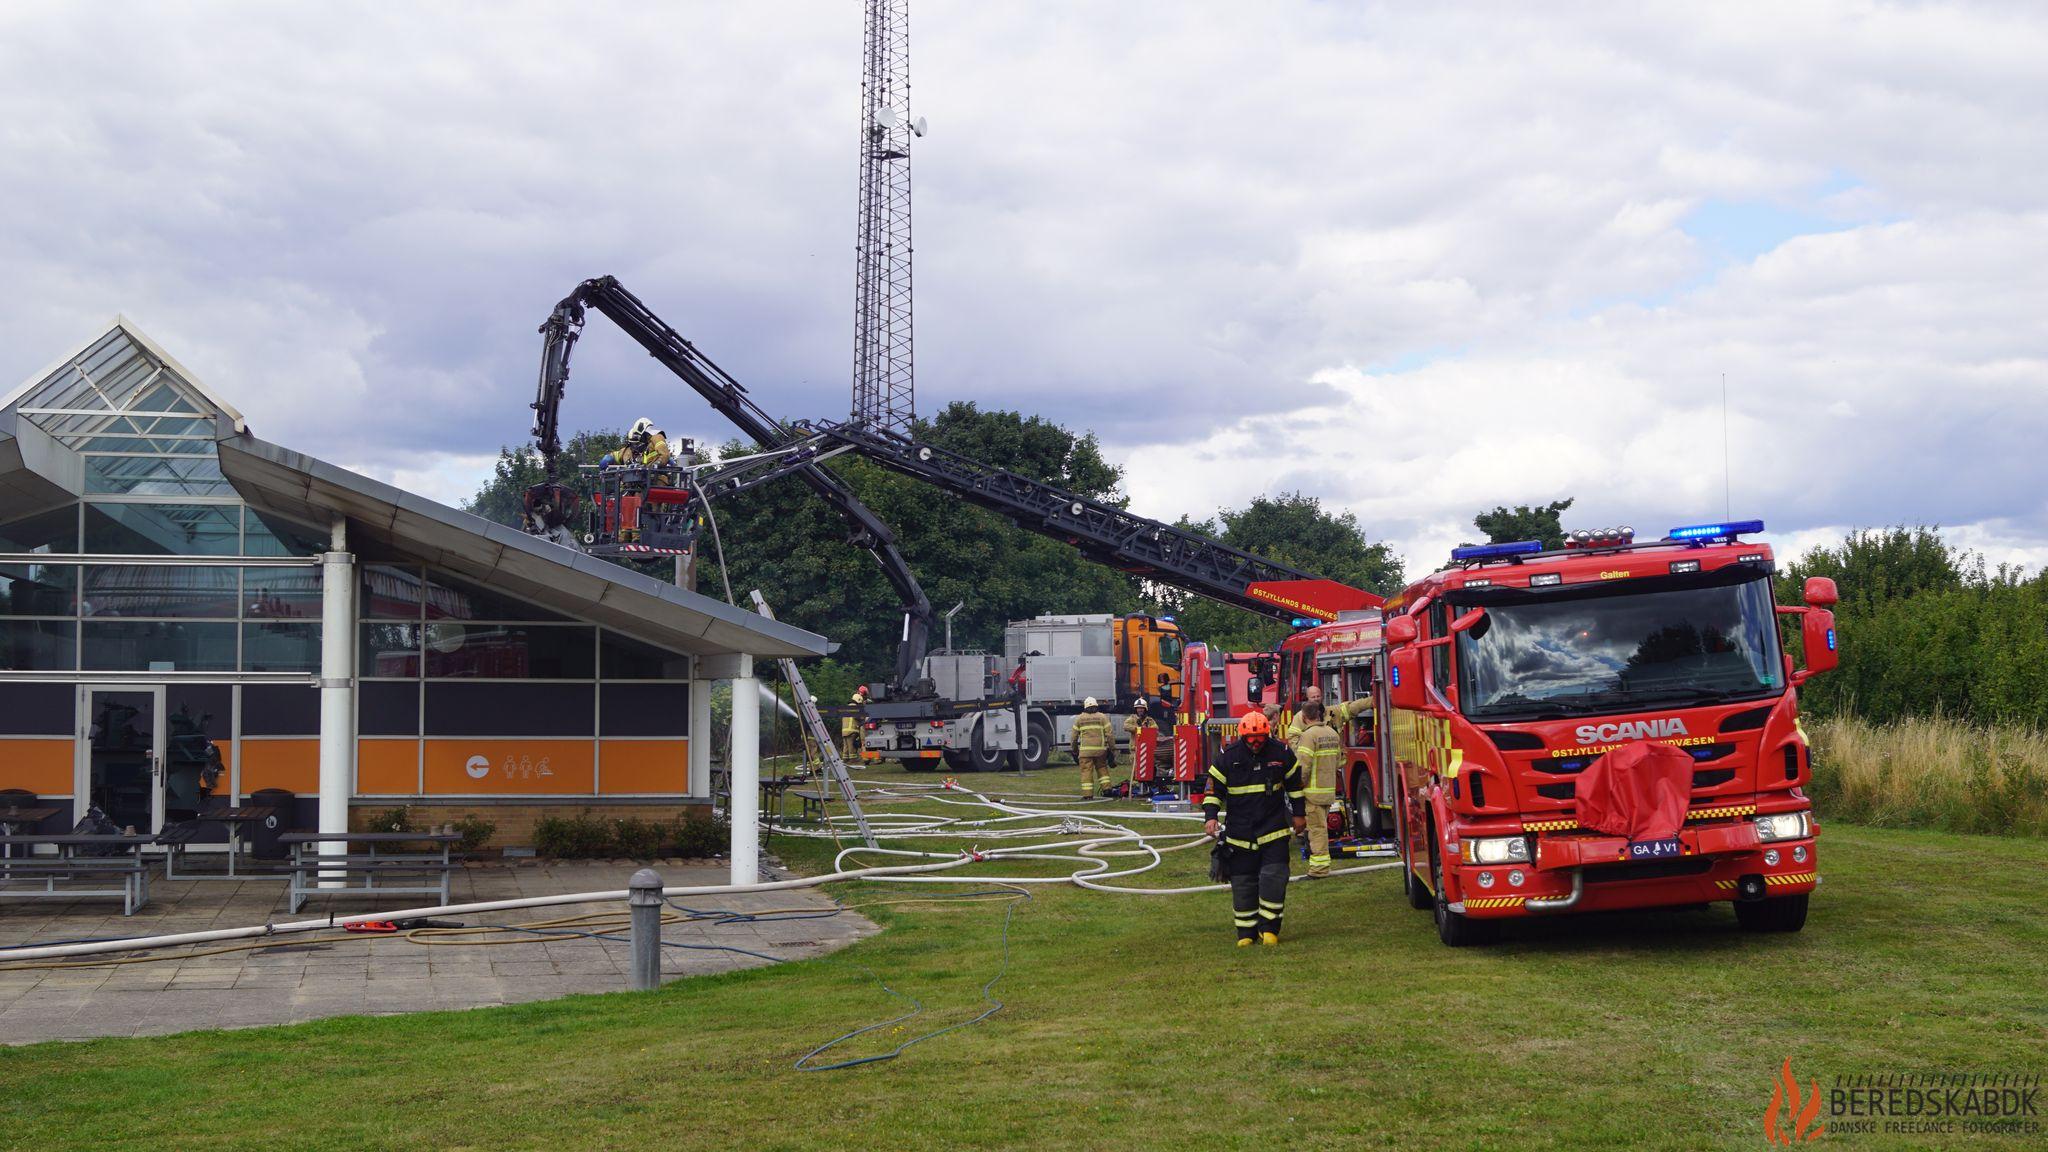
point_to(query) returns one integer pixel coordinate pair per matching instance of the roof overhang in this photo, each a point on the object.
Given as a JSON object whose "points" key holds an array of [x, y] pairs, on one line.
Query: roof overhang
{"points": [[36, 472], [410, 527]]}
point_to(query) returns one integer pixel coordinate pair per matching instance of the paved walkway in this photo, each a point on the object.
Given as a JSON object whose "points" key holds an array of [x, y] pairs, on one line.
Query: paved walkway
{"points": [[297, 979]]}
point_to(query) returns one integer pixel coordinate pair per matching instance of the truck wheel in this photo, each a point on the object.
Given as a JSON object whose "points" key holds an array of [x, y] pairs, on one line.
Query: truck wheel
{"points": [[1038, 743], [958, 761], [1783, 914], [986, 757], [1367, 821], [1455, 928]]}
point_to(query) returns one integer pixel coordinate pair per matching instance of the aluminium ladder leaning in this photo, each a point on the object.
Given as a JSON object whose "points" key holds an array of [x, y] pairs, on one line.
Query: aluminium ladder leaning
{"points": [[828, 749]]}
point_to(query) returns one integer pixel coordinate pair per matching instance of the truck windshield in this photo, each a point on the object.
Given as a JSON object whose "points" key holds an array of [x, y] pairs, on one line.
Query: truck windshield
{"points": [[1616, 648], [1169, 651]]}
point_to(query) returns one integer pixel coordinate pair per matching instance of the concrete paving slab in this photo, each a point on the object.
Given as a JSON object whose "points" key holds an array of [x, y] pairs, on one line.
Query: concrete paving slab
{"points": [[290, 980]]}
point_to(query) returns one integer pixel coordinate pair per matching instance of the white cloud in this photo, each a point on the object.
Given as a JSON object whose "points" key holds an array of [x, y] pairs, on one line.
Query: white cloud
{"points": [[1441, 255]]}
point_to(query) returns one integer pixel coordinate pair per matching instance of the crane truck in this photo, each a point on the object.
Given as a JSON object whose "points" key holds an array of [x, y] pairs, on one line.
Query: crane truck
{"points": [[668, 508]]}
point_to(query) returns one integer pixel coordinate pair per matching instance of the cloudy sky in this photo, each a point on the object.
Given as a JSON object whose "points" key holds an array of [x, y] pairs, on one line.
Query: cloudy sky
{"points": [[1418, 263]]}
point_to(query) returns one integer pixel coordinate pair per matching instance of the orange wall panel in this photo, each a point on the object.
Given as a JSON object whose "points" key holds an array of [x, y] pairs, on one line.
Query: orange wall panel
{"points": [[44, 767], [292, 764], [639, 766], [388, 767], [515, 767]]}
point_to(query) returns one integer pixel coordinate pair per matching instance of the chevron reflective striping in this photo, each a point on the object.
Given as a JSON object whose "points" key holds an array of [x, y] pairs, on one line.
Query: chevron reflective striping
{"points": [[1791, 878], [1493, 901], [1732, 810], [1548, 825]]}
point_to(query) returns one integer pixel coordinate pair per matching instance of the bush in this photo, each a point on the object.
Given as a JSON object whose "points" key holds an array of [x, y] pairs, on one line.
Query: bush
{"points": [[701, 837], [587, 837], [636, 839], [572, 837], [396, 820], [475, 833]]}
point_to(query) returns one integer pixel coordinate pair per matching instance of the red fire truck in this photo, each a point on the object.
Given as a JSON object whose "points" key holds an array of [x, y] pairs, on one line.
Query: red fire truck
{"points": [[1512, 671]]}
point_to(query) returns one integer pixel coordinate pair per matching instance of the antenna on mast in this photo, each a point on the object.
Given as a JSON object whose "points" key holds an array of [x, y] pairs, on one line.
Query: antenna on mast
{"points": [[884, 391]]}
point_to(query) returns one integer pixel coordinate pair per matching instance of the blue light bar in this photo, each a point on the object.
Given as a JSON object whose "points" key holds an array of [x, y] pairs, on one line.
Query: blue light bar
{"points": [[1486, 551], [1729, 530]]}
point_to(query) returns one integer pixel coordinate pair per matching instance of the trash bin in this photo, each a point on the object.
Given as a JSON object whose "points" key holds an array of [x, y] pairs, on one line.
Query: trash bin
{"points": [[261, 835]]}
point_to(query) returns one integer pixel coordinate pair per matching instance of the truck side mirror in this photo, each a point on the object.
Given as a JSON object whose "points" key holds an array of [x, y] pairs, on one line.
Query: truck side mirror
{"points": [[1254, 691], [1820, 592], [1400, 631], [1817, 631], [1404, 682]]}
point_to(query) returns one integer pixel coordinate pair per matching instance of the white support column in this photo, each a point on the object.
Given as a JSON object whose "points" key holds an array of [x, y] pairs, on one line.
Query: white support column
{"points": [[700, 733], [337, 689], [743, 766]]}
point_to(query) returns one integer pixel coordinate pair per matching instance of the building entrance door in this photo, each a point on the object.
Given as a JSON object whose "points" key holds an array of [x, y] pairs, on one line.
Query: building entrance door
{"points": [[121, 756]]}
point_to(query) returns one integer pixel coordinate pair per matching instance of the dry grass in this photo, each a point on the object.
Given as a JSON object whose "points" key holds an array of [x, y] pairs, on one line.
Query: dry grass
{"points": [[1932, 772]]}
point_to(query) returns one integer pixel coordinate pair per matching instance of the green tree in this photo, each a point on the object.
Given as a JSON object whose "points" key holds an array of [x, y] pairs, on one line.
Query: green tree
{"points": [[1293, 529], [519, 468], [1523, 522]]}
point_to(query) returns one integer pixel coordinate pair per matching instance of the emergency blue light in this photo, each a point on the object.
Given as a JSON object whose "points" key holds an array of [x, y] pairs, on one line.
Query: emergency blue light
{"points": [[1730, 530], [1305, 622], [1487, 551]]}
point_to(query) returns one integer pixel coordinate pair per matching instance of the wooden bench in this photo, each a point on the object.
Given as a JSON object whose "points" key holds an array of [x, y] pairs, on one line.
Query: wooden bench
{"points": [[369, 873], [68, 866]]}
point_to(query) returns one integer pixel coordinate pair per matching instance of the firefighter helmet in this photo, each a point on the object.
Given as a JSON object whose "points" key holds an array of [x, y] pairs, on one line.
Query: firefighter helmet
{"points": [[642, 429], [1090, 703], [1254, 724]]}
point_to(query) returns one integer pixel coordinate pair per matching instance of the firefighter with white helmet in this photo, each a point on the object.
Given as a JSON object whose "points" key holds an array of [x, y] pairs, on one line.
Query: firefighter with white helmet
{"points": [[1094, 748], [646, 447], [849, 728]]}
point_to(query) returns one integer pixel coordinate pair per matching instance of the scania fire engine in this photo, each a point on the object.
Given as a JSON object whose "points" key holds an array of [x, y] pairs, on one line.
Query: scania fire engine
{"points": [[1512, 671]]}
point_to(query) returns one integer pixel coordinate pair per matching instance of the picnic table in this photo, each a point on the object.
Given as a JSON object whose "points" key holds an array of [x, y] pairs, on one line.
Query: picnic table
{"points": [[78, 857], [235, 819], [352, 873], [13, 817]]}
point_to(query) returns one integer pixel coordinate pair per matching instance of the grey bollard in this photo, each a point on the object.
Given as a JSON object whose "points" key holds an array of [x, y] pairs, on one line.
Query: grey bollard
{"points": [[644, 897]]}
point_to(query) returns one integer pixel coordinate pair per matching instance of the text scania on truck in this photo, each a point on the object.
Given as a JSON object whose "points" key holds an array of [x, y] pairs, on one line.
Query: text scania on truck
{"points": [[1513, 671]]}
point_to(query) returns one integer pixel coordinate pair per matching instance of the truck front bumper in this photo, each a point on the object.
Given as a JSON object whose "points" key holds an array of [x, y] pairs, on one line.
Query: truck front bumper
{"points": [[1717, 862]]}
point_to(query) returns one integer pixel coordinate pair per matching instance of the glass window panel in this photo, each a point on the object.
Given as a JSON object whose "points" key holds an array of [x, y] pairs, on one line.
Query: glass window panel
{"points": [[52, 531], [273, 646], [391, 592], [38, 645], [157, 590], [389, 650], [281, 593], [162, 646], [510, 651], [273, 535], [38, 590], [624, 658], [164, 398], [162, 529], [156, 475], [450, 599], [388, 709]]}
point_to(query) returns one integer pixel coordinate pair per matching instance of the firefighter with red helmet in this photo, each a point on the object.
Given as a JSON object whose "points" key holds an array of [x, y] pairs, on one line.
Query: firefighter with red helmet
{"points": [[1255, 806]]}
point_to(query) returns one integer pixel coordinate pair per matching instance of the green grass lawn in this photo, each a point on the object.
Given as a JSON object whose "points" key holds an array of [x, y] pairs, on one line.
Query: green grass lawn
{"points": [[1131, 1022]]}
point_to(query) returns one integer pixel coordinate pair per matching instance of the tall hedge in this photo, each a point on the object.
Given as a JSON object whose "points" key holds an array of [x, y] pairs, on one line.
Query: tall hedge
{"points": [[1927, 629]]}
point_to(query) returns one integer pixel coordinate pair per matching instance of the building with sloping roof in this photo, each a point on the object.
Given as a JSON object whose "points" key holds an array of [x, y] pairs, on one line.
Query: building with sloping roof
{"points": [[190, 614]]}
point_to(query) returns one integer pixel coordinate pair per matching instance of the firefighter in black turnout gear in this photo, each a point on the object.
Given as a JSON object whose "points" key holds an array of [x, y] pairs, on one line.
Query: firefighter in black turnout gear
{"points": [[1257, 781]]}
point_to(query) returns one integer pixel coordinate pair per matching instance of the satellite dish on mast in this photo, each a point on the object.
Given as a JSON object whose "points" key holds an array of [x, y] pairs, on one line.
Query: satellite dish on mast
{"points": [[917, 126], [886, 117]]}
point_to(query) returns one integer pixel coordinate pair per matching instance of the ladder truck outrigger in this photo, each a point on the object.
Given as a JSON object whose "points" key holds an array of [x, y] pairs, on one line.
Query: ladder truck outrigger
{"points": [[667, 510]]}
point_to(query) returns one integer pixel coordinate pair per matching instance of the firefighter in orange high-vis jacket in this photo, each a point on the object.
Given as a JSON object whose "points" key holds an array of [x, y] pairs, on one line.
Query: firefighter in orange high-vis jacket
{"points": [[1254, 806]]}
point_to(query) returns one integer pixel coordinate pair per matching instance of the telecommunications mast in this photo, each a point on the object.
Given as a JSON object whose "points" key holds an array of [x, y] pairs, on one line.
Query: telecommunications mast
{"points": [[884, 391]]}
